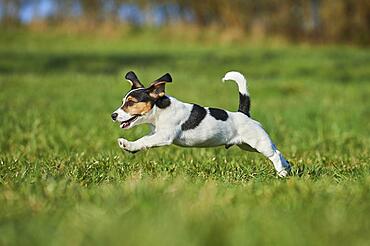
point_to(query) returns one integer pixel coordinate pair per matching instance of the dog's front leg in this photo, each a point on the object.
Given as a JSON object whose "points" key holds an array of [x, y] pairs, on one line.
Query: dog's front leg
{"points": [[155, 140]]}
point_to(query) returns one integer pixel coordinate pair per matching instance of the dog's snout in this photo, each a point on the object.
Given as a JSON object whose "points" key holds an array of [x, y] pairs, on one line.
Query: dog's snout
{"points": [[114, 116]]}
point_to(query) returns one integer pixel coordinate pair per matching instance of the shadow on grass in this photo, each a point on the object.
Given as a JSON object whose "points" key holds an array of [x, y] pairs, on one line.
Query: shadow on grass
{"points": [[106, 63], [74, 62], [266, 65]]}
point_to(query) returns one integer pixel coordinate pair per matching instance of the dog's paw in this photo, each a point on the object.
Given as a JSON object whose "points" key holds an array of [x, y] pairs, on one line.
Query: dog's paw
{"points": [[284, 173], [125, 145]]}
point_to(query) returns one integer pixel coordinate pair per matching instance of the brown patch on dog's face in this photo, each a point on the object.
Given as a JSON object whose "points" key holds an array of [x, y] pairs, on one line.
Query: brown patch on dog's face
{"points": [[138, 108], [138, 102]]}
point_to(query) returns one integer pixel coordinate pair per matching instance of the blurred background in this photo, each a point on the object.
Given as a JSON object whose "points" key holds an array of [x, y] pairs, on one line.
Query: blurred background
{"points": [[344, 21]]}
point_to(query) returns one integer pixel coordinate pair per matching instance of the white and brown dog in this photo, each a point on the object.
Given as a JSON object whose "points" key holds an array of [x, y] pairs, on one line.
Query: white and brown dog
{"points": [[191, 125]]}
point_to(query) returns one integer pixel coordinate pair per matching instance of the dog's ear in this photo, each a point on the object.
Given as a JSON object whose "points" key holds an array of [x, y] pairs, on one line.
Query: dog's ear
{"points": [[157, 88], [134, 81]]}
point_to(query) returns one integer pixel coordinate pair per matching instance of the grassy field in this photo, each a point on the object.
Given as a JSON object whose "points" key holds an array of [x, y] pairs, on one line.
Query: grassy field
{"points": [[64, 181]]}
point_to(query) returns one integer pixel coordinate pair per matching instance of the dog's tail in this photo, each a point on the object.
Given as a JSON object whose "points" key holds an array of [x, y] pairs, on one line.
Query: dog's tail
{"points": [[244, 99]]}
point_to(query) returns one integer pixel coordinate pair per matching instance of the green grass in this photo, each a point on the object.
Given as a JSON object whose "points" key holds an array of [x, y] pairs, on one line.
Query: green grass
{"points": [[64, 181]]}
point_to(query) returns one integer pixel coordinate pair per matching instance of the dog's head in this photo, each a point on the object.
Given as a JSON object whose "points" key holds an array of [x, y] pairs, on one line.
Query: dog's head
{"points": [[139, 102]]}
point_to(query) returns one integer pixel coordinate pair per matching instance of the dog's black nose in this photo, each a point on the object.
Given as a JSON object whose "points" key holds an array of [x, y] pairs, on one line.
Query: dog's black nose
{"points": [[114, 116]]}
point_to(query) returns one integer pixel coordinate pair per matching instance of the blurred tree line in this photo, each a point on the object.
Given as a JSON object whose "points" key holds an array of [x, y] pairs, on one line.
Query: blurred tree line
{"points": [[312, 20]]}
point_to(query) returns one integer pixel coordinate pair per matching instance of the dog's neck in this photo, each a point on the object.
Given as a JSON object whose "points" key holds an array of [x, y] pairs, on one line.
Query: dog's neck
{"points": [[162, 108]]}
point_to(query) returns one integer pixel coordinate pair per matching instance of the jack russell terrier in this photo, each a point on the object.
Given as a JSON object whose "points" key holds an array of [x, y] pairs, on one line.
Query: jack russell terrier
{"points": [[191, 125]]}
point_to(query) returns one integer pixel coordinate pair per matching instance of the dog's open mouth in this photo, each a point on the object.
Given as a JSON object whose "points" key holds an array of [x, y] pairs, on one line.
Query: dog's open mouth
{"points": [[127, 123]]}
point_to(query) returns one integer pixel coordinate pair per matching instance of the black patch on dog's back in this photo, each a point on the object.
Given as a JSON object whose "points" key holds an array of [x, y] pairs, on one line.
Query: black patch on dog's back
{"points": [[163, 102], [218, 114], [197, 114]]}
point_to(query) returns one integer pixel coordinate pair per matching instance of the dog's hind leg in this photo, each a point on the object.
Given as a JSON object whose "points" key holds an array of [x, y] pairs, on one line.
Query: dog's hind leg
{"points": [[268, 149], [281, 165]]}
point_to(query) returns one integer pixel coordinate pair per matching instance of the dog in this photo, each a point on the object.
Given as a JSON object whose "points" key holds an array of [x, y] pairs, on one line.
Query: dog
{"points": [[191, 125]]}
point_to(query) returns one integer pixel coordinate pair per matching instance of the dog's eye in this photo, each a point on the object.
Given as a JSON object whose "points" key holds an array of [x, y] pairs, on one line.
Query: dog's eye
{"points": [[129, 103]]}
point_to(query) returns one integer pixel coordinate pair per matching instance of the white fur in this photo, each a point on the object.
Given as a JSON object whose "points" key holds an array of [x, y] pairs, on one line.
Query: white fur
{"points": [[238, 129]]}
